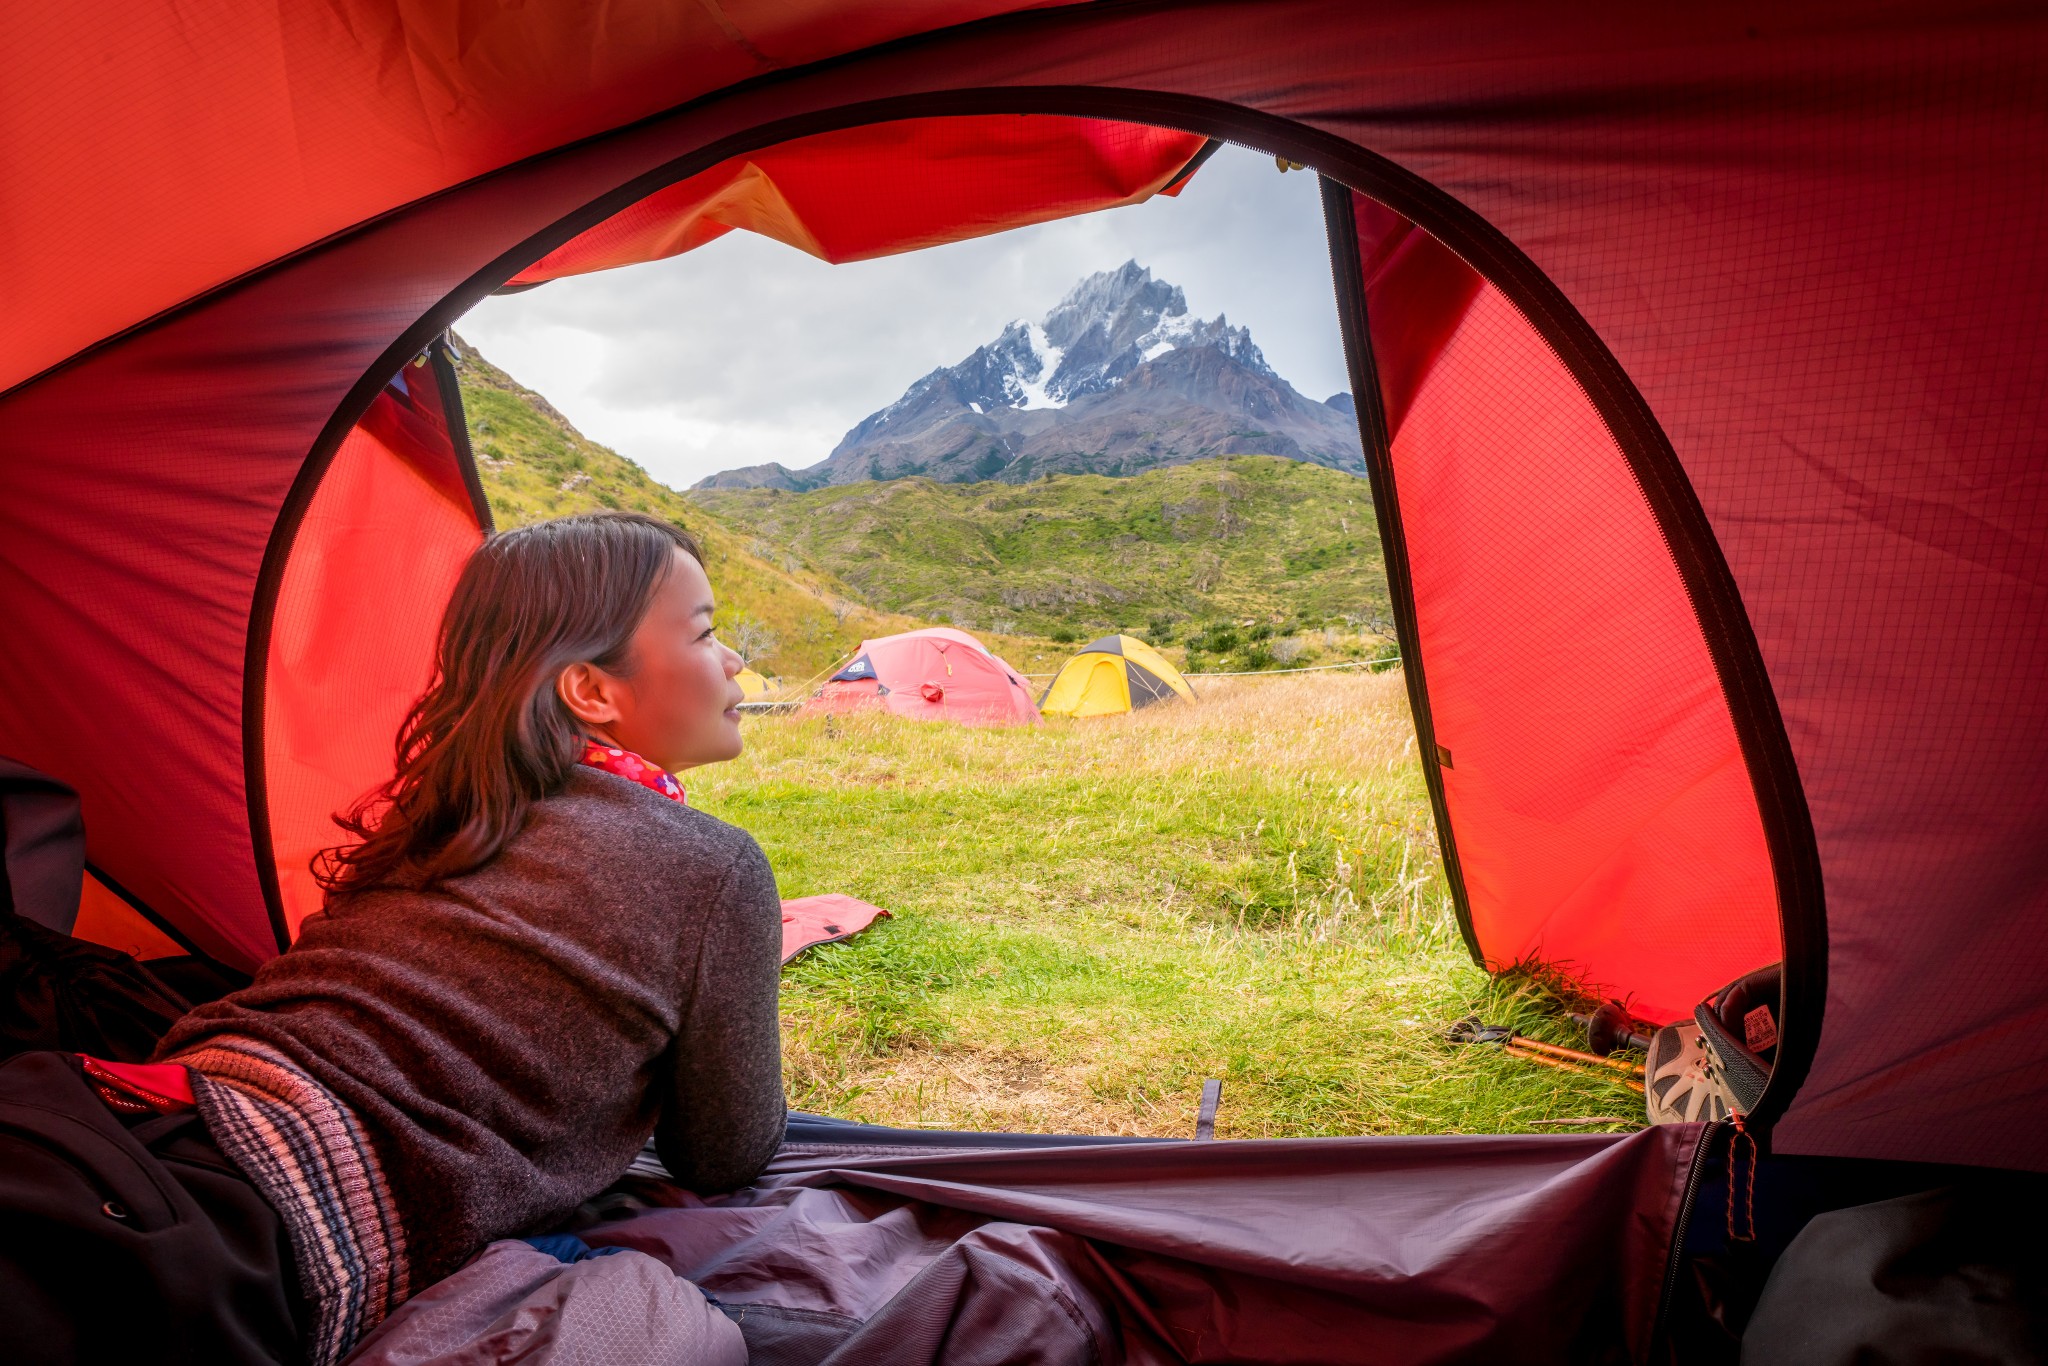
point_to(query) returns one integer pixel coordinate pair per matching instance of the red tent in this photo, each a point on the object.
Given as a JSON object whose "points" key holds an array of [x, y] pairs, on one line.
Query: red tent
{"points": [[936, 674], [1702, 374]]}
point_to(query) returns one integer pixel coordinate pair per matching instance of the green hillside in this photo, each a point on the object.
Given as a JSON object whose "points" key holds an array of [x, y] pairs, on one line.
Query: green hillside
{"points": [[1241, 539], [788, 619]]}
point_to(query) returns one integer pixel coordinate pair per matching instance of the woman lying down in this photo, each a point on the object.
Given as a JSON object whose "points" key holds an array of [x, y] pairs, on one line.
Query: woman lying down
{"points": [[536, 956]]}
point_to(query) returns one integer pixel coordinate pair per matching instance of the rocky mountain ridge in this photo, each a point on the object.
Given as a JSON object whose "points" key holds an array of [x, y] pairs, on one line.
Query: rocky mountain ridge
{"points": [[1117, 378]]}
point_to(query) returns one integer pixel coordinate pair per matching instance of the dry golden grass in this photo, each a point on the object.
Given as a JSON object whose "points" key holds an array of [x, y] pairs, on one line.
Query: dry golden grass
{"points": [[1091, 917]]}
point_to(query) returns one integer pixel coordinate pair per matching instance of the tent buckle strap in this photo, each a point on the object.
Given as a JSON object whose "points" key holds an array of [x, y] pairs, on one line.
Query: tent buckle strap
{"points": [[1205, 1121]]}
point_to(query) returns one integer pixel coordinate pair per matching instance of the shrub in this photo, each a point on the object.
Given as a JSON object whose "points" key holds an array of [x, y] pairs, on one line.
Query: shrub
{"points": [[1064, 635]]}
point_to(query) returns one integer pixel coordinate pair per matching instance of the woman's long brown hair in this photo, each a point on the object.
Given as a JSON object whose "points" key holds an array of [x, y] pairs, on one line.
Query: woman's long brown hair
{"points": [[491, 736]]}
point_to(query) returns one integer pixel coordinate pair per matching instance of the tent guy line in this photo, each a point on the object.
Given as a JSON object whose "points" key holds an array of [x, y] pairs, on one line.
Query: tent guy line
{"points": [[1261, 673]]}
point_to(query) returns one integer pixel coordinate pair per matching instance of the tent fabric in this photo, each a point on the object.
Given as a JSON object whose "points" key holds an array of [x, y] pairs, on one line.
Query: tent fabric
{"points": [[865, 1244], [1432, 1250], [353, 634], [1792, 259], [934, 674], [752, 684], [104, 918], [238, 139], [859, 193], [1588, 768], [1112, 675]]}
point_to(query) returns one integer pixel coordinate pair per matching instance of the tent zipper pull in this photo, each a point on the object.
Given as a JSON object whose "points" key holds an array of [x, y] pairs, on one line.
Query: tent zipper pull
{"points": [[1741, 1182]]}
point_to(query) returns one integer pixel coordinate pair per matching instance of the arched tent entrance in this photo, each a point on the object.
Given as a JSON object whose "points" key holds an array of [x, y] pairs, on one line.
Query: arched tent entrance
{"points": [[1799, 403]]}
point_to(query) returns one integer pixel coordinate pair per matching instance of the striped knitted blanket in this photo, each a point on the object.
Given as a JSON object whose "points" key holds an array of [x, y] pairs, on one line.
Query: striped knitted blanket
{"points": [[307, 1154]]}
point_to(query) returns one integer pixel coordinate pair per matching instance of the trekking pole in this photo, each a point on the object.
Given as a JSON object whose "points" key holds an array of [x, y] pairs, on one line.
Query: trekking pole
{"points": [[1521, 1040], [1471, 1030], [1529, 1055], [1611, 1027]]}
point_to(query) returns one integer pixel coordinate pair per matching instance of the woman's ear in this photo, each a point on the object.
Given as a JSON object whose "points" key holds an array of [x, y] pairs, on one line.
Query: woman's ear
{"points": [[590, 694]]}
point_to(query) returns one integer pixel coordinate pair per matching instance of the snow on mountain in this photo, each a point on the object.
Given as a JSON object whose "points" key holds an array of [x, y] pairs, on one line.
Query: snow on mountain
{"points": [[1116, 378], [1106, 327]]}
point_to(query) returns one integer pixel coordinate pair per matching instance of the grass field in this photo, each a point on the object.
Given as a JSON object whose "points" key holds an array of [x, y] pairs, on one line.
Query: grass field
{"points": [[1090, 918]]}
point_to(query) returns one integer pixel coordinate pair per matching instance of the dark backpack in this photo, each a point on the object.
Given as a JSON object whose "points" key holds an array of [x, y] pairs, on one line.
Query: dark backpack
{"points": [[122, 1238], [56, 991], [129, 1240]]}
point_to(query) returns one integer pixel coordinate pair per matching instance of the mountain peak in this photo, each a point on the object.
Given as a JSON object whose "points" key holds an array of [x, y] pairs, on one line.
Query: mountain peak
{"points": [[1053, 394], [1104, 328], [1113, 300]]}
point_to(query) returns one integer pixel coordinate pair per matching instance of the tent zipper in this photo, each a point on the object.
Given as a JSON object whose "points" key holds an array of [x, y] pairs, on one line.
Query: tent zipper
{"points": [[1694, 1174]]}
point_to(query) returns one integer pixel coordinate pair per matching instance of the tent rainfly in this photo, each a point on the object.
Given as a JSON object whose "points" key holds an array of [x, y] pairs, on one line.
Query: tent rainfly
{"points": [[934, 674], [1702, 364], [1111, 675]]}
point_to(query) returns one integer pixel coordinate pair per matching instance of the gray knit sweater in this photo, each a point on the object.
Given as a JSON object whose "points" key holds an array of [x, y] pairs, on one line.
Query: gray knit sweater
{"points": [[509, 1040]]}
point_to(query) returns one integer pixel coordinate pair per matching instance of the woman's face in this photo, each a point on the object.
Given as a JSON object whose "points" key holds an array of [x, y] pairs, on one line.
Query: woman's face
{"points": [[675, 702]]}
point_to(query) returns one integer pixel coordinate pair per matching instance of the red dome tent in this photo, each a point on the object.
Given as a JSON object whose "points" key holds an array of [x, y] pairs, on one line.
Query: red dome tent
{"points": [[1701, 365], [936, 674]]}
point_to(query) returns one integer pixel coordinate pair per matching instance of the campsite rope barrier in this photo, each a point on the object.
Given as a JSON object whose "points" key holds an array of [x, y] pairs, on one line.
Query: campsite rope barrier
{"points": [[1261, 673], [803, 689], [791, 696]]}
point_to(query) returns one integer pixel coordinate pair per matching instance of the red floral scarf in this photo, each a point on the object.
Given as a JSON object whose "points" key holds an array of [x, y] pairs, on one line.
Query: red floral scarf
{"points": [[627, 764]]}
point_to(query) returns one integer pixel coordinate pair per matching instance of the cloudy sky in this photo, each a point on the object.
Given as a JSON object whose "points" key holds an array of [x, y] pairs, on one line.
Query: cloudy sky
{"points": [[747, 351]]}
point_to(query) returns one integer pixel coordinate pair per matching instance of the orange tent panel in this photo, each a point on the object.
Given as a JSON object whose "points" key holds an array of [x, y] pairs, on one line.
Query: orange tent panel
{"points": [[893, 187], [352, 639]]}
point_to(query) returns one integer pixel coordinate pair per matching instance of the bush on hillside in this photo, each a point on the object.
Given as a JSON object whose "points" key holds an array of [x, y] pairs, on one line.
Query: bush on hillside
{"points": [[1064, 635]]}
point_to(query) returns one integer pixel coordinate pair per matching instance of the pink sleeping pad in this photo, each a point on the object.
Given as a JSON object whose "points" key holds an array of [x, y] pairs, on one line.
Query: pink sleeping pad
{"points": [[812, 920]]}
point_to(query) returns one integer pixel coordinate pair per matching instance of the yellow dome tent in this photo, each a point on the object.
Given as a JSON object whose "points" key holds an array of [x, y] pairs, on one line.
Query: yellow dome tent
{"points": [[1113, 674], [752, 684]]}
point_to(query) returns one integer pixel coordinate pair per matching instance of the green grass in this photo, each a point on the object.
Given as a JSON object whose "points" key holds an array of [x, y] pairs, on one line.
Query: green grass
{"points": [[1090, 918], [1232, 538]]}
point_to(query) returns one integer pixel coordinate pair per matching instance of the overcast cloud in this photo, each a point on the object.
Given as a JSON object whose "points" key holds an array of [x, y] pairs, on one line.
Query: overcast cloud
{"points": [[747, 351]]}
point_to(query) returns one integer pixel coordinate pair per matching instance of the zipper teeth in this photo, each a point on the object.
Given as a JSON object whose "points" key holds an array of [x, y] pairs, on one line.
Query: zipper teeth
{"points": [[1693, 1173]]}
